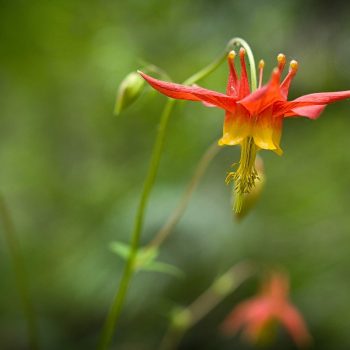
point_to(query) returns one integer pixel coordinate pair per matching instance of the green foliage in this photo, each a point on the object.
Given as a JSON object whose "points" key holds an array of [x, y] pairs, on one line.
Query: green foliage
{"points": [[72, 172], [146, 259]]}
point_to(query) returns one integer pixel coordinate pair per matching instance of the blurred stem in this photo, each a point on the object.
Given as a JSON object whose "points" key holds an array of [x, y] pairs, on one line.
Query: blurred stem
{"points": [[20, 273], [114, 312], [202, 166], [117, 304], [185, 318]]}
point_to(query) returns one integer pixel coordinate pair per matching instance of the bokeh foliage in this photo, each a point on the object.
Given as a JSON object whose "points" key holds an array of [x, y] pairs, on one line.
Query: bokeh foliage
{"points": [[72, 171]]}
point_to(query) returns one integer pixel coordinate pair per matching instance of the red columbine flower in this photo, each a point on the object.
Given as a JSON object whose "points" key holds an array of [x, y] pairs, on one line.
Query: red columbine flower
{"points": [[271, 305], [252, 119]]}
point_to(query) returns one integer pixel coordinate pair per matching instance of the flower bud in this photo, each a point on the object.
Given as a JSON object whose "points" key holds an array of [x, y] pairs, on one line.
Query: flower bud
{"points": [[129, 90], [250, 199]]}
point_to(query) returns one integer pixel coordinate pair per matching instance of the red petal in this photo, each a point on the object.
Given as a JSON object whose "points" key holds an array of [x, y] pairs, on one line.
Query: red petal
{"points": [[286, 83], [232, 84], [312, 112], [207, 104], [323, 97], [192, 93], [295, 325], [244, 89], [310, 106], [238, 317], [264, 97]]}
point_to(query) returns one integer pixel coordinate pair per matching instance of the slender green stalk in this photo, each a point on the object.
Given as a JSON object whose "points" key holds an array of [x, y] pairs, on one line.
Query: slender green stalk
{"points": [[206, 70], [114, 312], [185, 318], [20, 273], [112, 318], [176, 215]]}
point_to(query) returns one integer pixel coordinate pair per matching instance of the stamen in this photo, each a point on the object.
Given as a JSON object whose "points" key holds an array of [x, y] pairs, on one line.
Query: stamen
{"points": [[293, 68], [246, 174], [281, 59], [261, 71], [231, 55], [232, 84], [294, 65], [244, 85]]}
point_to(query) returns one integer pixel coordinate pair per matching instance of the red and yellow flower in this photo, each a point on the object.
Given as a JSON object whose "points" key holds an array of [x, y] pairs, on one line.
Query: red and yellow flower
{"points": [[253, 119], [272, 304]]}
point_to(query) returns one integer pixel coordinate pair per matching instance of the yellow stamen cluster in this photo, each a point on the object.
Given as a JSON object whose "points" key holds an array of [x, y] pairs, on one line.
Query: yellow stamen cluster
{"points": [[246, 174]]}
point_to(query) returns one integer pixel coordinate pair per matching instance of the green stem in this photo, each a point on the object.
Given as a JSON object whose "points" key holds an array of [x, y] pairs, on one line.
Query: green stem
{"points": [[20, 273], [117, 304], [206, 70], [113, 316], [185, 318]]}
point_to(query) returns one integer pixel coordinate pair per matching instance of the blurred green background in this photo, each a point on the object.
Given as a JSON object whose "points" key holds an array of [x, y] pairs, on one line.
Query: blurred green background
{"points": [[72, 172]]}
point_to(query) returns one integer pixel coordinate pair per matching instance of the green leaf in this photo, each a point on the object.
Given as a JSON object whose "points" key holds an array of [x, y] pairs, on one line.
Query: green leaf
{"points": [[121, 249], [144, 256], [145, 259]]}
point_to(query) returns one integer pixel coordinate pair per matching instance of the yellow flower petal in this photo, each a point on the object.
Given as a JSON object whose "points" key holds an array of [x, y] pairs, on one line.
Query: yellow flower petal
{"points": [[267, 131], [237, 127]]}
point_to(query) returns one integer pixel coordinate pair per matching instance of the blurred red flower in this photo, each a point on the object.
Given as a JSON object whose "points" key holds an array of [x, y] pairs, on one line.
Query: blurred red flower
{"points": [[270, 305]]}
